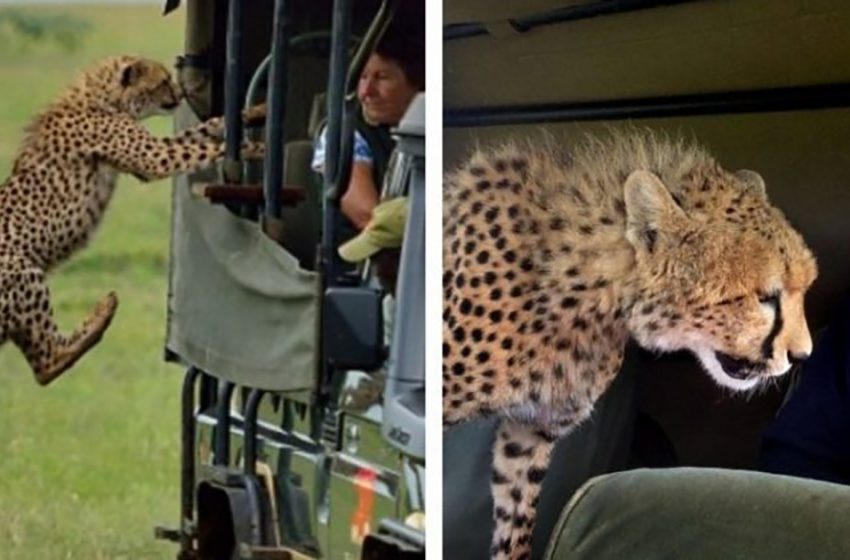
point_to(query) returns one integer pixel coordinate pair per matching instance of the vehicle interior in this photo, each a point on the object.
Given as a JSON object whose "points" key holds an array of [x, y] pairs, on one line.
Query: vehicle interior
{"points": [[285, 438], [763, 85]]}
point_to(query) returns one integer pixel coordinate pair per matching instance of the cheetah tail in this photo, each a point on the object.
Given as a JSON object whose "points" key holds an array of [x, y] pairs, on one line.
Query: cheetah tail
{"points": [[520, 459]]}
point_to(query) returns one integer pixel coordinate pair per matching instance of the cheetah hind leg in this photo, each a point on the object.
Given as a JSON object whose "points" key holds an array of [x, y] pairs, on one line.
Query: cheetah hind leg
{"points": [[520, 460], [48, 352]]}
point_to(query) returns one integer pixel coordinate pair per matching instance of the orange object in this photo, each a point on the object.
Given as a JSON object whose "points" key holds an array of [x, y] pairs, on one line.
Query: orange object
{"points": [[362, 516]]}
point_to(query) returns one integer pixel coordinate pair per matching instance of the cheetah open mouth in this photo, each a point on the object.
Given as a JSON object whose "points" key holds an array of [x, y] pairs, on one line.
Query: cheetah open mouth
{"points": [[738, 368], [170, 106]]}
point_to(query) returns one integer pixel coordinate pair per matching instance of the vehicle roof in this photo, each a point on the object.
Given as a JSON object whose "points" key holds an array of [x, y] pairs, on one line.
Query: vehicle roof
{"points": [[701, 47]]}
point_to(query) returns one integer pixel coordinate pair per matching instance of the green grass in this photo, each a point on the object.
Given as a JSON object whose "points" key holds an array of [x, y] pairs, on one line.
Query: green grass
{"points": [[90, 464]]}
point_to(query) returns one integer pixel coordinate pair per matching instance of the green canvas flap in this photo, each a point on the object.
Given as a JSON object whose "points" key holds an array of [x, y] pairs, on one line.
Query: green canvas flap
{"points": [[240, 307]]}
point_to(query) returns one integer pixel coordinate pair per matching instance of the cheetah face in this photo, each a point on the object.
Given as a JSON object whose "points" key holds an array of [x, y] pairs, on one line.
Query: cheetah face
{"points": [[729, 287], [148, 89]]}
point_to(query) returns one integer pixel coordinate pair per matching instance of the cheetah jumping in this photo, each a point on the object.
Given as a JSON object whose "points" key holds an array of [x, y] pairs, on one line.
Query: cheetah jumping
{"points": [[553, 259], [62, 180]]}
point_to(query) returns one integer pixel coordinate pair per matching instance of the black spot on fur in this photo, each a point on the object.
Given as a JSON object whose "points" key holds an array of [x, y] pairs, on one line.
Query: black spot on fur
{"points": [[513, 450], [516, 494], [536, 475], [459, 334]]}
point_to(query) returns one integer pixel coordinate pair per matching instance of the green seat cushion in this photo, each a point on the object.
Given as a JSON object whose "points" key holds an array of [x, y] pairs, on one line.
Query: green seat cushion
{"points": [[703, 514]]}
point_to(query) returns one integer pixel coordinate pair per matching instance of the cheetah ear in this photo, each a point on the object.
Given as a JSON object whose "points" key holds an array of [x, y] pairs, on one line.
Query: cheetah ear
{"points": [[753, 182], [131, 73], [650, 209]]}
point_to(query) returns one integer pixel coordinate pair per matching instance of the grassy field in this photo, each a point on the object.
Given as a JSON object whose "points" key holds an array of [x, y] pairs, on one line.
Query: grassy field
{"points": [[90, 464]]}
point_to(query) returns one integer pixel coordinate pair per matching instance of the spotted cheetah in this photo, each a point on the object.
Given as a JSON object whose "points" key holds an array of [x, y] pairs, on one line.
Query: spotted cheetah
{"points": [[554, 258], [62, 180]]}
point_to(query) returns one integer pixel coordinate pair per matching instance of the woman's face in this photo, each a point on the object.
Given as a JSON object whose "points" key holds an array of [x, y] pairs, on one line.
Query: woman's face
{"points": [[384, 91]]}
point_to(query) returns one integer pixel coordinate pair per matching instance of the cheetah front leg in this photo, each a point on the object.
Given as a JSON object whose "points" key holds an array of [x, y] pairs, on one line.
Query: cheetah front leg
{"points": [[520, 460], [132, 149], [168, 159], [31, 327]]}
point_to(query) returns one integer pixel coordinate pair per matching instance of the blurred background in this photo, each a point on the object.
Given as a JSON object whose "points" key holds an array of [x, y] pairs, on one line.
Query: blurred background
{"points": [[90, 464]]}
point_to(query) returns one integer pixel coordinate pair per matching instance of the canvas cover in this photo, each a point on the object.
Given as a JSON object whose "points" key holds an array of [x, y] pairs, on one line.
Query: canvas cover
{"points": [[239, 306]]}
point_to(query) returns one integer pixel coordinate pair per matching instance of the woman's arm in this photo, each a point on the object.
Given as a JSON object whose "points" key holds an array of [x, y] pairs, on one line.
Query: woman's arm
{"points": [[362, 195]]}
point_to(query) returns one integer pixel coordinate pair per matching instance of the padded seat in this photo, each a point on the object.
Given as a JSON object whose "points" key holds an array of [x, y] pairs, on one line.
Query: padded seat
{"points": [[703, 514]]}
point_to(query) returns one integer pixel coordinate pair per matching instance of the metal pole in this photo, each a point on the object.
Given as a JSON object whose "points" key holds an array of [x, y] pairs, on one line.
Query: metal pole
{"points": [[187, 464], [252, 171], [221, 450], [341, 28], [251, 409], [795, 98], [376, 30], [273, 169], [233, 93], [250, 467]]}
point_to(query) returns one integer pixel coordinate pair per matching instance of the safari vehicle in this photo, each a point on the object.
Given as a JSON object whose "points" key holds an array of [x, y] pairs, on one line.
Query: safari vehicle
{"points": [[764, 86], [297, 440]]}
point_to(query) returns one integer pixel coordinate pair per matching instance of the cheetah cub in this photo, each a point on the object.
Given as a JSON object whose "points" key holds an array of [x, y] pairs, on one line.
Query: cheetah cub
{"points": [[62, 180], [553, 259]]}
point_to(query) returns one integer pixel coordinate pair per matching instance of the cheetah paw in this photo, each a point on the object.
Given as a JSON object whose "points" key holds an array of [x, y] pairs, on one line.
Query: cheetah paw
{"points": [[253, 150], [254, 115]]}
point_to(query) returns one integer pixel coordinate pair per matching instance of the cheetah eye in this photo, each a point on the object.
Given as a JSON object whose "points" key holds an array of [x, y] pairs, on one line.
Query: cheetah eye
{"points": [[770, 298]]}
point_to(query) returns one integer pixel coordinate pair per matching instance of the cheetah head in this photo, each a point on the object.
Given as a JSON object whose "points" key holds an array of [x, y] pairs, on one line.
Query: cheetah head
{"points": [[146, 88], [724, 280]]}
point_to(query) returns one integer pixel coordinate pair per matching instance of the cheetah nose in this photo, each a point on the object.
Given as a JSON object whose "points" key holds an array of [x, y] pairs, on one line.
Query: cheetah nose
{"points": [[797, 358]]}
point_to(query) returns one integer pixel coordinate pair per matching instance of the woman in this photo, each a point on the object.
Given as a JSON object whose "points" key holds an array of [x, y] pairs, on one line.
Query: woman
{"points": [[391, 78]]}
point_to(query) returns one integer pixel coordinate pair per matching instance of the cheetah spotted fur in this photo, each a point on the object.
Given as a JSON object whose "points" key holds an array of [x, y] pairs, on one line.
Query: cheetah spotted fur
{"points": [[554, 258], [61, 182]]}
